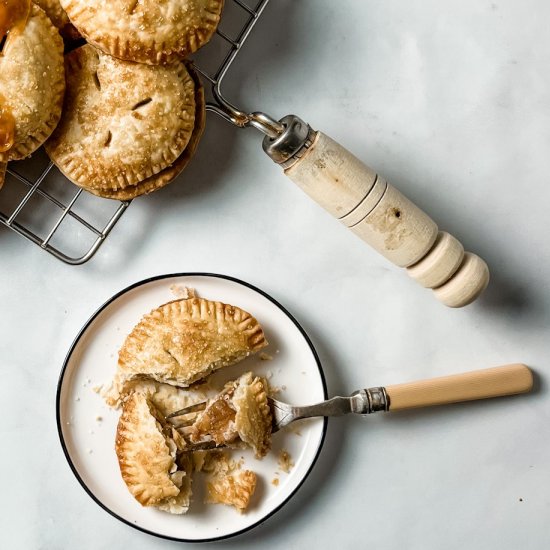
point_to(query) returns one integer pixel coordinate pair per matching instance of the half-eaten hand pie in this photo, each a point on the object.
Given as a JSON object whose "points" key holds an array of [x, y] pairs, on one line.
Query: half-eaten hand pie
{"points": [[151, 457], [240, 413]]}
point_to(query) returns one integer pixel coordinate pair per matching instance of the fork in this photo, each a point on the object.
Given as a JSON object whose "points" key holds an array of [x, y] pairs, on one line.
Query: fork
{"points": [[481, 384]]}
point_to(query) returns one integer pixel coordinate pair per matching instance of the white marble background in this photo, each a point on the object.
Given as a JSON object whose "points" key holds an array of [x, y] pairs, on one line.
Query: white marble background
{"points": [[451, 102]]}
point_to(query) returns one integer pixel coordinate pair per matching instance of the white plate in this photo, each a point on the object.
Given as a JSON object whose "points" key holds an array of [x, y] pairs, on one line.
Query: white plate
{"points": [[88, 441]]}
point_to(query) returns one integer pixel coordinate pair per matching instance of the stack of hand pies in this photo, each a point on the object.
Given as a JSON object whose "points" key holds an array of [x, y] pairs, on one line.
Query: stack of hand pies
{"points": [[133, 111]]}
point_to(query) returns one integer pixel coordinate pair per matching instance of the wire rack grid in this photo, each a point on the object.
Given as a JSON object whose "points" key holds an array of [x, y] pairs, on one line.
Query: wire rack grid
{"points": [[40, 204]]}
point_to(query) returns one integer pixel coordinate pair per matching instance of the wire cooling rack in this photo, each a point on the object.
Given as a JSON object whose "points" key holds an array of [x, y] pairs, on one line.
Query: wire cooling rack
{"points": [[40, 204]]}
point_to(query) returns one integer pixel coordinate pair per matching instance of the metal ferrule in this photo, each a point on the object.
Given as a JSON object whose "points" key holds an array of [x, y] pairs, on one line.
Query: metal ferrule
{"points": [[370, 400], [291, 144]]}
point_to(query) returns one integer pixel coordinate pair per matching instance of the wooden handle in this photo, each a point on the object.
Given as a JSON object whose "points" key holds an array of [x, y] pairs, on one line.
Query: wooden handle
{"points": [[480, 384], [378, 213]]}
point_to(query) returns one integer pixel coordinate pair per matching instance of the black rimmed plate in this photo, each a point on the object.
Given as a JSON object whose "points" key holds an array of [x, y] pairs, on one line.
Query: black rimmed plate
{"points": [[87, 426]]}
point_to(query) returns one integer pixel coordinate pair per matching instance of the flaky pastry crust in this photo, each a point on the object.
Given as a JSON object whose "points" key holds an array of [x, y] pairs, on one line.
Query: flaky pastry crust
{"points": [[122, 122], [233, 489], [32, 83], [239, 413], [59, 18], [148, 457], [184, 341], [167, 175], [147, 31]]}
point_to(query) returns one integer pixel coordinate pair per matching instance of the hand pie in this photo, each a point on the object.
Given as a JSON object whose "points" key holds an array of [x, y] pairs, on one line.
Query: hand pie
{"points": [[151, 457], [147, 31], [32, 83], [239, 413], [184, 341], [122, 122], [59, 18], [167, 175]]}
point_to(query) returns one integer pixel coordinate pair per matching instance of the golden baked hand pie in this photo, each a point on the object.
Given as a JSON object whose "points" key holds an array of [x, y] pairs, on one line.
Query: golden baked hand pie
{"points": [[184, 341], [167, 175], [32, 82], [240, 413], [147, 31], [59, 18], [122, 122], [151, 457]]}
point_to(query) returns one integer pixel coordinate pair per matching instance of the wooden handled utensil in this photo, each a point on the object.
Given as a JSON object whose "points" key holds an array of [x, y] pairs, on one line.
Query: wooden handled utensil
{"points": [[480, 384], [377, 212]]}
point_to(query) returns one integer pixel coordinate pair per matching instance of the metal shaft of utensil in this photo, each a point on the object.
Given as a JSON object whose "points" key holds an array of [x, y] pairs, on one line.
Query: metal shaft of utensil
{"points": [[363, 402]]}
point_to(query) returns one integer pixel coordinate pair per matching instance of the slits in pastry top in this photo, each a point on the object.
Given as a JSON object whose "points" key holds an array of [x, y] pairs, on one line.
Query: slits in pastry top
{"points": [[147, 31], [32, 81], [185, 340], [168, 174], [122, 122], [150, 456]]}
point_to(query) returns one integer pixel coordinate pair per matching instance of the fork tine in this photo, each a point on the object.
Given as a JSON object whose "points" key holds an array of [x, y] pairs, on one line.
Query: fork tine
{"points": [[197, 407], [178, 423]]}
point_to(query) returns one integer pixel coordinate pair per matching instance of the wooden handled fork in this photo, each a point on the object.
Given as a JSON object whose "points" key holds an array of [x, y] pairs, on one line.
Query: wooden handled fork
{"points": [[481, 384]]}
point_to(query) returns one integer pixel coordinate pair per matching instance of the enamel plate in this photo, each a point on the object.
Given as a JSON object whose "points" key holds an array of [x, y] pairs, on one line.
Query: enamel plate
{"points": [[87, 426]]}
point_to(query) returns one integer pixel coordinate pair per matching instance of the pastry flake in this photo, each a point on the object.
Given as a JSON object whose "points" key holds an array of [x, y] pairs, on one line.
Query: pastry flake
{"points": [[233, 489], [152, 463], [32, 83], [146, 31], [122, 122], [184, 341], [240, 413]]}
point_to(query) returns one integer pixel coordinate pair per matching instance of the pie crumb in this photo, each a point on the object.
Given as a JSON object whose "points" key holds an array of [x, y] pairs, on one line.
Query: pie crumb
{"points": [[233, 489], [285, 461], [275, 481], [295, 431], [183, 292], [265, 357]]}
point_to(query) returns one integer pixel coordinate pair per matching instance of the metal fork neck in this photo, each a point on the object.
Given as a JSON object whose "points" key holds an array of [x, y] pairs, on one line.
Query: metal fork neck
{"points": [[366, 401]]}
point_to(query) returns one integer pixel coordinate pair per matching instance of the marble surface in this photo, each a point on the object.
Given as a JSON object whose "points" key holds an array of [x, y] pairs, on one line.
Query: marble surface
{"points": [[451, 102]]}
